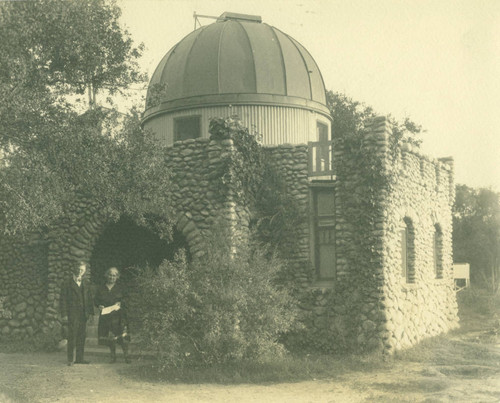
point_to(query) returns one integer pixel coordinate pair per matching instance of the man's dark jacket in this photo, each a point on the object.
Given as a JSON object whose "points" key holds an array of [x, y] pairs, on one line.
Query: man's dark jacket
{"points": [[76, 302]]}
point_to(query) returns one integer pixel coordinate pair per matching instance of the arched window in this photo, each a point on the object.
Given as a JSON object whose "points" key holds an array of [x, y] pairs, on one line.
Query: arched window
{"points": [[438, 251], [407, 236]]}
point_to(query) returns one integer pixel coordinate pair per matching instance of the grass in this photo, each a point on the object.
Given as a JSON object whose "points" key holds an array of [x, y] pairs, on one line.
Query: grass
{"points": [[291, 368], [470, 351], [428, 385], [464, 353]]}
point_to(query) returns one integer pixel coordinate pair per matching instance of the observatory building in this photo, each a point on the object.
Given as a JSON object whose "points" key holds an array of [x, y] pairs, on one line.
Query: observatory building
{"points": [[370, 256], [238, 66]]}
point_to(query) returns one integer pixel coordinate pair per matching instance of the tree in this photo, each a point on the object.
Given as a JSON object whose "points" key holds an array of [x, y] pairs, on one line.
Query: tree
{"points": [[476, 233], [50, 49], [349, 118], [52, 154], [71, 46]]}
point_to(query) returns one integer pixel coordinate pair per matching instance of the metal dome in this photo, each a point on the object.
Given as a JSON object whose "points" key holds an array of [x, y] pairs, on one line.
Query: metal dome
{"points": [[236, 60]]}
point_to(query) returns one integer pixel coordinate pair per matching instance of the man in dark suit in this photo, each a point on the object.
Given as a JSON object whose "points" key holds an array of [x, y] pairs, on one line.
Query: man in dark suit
{"points": [[76, 306]]}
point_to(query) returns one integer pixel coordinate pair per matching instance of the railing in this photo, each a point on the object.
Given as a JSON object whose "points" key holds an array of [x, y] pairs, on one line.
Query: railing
{"points": [[320, 158]]}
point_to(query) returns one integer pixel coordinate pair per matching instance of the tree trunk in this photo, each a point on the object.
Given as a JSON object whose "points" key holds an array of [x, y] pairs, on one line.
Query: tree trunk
{"points": [[495, 269], [89, 91]]}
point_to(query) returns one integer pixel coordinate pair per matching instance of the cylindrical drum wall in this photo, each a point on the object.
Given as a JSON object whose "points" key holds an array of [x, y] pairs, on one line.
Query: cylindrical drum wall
{"points": [[276, 124]]}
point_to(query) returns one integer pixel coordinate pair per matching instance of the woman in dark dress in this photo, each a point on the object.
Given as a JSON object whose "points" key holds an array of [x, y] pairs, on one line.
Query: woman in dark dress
{"points": [[113, 326]]}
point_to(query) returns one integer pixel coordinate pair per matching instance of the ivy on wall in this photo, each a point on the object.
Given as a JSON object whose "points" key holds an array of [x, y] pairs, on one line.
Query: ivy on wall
{"points": [[367, 172], [346, 314], [259, 185]]}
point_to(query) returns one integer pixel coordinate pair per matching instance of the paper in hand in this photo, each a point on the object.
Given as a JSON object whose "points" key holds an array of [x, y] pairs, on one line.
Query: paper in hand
{"points": [[110, 309]]}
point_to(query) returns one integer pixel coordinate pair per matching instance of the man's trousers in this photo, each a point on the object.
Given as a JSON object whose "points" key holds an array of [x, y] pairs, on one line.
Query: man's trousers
{"points": [[76, 338]]}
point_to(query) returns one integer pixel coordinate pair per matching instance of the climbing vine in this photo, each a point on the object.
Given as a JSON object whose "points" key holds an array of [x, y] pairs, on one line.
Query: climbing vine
{"points": [[366, 173], [257, 184]]}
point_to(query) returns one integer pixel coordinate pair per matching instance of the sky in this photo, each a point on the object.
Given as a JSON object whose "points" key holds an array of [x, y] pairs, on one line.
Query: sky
{"points": [[434, 61]]}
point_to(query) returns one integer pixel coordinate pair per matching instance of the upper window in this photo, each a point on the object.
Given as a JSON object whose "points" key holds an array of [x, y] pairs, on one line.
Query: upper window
{"points": [[321, 131], [323, 159], [324, 233], [187, 128], [438, 251]]}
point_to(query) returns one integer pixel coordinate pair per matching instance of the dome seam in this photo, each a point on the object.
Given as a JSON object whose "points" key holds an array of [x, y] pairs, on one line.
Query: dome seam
{"points": [[189, 53], [317, 67], [251, 50], [283, 66], [303, 61], [218, 56], [166, 63]]}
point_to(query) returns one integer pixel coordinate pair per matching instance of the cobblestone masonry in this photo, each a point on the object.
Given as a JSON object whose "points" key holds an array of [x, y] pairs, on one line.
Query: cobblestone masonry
{"points": [[369, 305], [32, 270]]}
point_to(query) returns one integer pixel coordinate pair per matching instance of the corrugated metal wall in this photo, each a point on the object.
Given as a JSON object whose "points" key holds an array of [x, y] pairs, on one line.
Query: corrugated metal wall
{"points": [[276, 124]]}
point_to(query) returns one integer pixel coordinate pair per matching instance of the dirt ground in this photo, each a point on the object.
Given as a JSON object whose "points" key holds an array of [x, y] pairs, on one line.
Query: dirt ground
{"points": [[43, 377], [463, 366]]}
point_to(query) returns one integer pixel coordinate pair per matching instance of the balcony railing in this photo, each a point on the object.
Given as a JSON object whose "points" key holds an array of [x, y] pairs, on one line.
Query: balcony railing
{"points": [[320, 158]]}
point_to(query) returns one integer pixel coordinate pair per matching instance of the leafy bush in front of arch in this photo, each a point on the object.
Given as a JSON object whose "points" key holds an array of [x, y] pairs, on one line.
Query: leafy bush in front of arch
{"points": [[224, 307]]}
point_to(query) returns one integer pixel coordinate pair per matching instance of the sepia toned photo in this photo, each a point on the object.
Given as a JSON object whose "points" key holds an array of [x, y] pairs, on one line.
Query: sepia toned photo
{"points": [[249, 201]]}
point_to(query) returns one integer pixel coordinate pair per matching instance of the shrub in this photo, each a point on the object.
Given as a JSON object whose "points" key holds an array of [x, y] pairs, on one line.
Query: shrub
{"points": [[226, 306]]}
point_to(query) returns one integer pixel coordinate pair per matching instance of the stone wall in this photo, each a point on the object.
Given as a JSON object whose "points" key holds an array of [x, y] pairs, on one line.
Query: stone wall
{"points": [[32, 270], [345, 313], [23, 285], [424, 303], [368, 306], [290, 162], [386, 311], [201, 193]]}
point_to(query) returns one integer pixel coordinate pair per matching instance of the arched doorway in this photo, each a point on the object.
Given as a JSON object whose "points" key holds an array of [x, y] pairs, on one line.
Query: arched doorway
{"points": [[129, 247]]}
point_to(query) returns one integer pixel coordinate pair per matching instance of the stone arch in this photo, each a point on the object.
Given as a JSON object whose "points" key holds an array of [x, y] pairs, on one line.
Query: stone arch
{"points": [[73, 239], [127, 245], [70, 242], [192, 233]]}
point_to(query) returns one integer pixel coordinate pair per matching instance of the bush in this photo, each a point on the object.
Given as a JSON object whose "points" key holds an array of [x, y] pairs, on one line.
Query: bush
{"points": [[223, 307]]}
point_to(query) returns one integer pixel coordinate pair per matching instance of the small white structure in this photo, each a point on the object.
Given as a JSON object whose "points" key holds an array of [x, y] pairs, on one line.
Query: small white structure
{"points": [[461, 275]]}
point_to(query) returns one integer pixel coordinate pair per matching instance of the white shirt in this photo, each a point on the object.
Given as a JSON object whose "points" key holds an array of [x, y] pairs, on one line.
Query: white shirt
{"points": [[77, 280]]}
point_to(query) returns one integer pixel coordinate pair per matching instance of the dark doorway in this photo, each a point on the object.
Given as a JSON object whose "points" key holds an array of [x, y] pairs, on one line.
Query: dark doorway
{"points": [[128, 246]]}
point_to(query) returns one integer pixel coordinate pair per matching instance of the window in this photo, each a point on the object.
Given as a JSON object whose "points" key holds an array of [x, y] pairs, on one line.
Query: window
{"points": [[438, 251], [404, 252], [324, 149], [407, 237], [186, 128], [322, 131], [324, 233]]}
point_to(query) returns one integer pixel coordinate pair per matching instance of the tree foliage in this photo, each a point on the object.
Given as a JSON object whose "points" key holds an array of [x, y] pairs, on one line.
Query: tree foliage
{"points": [[52, 154], [476, 233], [350, 116], [67, 47]]}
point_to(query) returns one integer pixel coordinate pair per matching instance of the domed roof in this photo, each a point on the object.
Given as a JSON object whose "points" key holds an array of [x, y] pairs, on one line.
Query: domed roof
{"points": [[236, 60]]}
